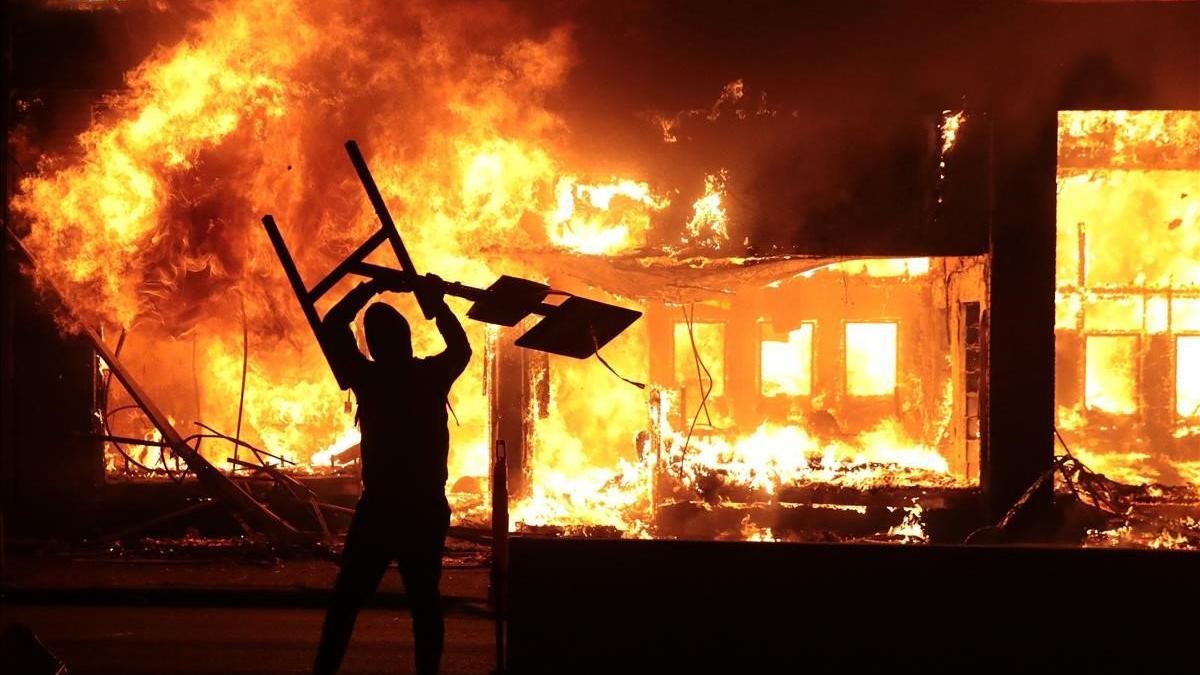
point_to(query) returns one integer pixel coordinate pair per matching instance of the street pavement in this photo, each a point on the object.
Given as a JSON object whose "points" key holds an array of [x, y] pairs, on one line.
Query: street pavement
{"points": [[104, 614], [105, 639]]}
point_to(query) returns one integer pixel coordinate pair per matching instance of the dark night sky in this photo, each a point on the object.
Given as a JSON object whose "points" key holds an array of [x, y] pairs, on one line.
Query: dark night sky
{"points": [[863, 80]]}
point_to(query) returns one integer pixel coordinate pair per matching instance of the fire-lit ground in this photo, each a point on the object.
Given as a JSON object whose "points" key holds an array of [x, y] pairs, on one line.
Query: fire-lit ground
{"points": [[190, 613], [147, 639]]}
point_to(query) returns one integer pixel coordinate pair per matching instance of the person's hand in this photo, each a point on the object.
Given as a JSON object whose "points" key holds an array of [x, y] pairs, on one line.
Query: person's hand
{"points": [[431, 290], [435, 286]]}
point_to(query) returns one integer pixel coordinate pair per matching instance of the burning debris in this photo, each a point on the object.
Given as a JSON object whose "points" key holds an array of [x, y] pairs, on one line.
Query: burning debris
{"points": [[1115, 514]]}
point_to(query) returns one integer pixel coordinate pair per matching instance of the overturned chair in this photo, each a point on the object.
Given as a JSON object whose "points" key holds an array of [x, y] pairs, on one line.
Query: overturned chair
{"points": [[577, 327]]}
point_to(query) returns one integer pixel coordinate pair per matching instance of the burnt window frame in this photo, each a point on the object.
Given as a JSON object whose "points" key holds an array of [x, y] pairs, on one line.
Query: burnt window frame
{"points": [[845, 365], [1175, 376], [685, 410], [1137, 372]]}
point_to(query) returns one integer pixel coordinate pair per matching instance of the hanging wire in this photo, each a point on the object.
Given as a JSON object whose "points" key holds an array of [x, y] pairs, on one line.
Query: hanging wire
{"points": [[106, 413], [242, 394], [596, 351], [259, 452], [689, 321], [1098, 491], [691, 326]]}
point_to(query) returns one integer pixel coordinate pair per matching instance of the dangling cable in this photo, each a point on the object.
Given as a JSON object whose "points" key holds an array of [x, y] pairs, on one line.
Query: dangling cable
{"points": [[690, 322], [242, 396], [596, 351]]}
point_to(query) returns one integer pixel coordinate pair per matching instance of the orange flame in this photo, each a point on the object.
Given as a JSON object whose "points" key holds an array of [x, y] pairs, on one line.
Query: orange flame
{"points": [[1129, 290], [709, 225]]}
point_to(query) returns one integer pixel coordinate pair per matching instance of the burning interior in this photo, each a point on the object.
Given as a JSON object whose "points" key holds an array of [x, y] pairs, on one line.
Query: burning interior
{"points": [[778, 381], [1128, 208]]}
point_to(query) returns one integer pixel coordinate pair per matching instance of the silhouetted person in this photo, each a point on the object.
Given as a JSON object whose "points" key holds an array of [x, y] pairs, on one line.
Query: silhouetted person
{"points": [[402, 514]]}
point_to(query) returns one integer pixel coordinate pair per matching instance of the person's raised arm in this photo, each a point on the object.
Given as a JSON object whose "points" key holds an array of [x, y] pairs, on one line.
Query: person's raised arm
{"points": [[345, 359], [458, 349]]}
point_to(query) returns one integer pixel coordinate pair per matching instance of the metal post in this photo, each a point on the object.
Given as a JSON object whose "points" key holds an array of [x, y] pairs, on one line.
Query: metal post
{"points": [[500, 551]]}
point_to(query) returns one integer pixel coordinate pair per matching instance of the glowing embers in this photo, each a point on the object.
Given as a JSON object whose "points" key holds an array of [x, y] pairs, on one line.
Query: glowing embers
{"points": [[951, 122], [786, 365], [1187, 375], [871, 359], [1110, 374]]}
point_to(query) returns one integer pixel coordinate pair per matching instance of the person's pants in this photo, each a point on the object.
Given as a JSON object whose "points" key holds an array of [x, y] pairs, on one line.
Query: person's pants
{"points": [[377, 537]]}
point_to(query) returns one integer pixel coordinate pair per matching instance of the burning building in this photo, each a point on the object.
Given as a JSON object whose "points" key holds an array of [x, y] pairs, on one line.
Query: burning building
{"points": [[761, 369]]}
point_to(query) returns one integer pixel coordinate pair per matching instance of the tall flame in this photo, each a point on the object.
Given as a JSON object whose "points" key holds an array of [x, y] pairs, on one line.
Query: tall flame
{"points": [[151, 223], [709, 224]]}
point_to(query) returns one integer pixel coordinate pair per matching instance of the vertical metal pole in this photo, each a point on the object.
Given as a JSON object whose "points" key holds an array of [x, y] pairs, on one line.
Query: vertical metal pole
{"points": [[500, 550]]}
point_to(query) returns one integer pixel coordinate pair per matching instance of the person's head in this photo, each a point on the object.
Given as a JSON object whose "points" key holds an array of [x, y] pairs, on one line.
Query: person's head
{"points": [[388, 335]]}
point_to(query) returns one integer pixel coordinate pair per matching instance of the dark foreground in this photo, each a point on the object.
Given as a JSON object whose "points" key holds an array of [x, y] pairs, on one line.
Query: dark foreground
{"points": [[216, 612], [598, 606], [149, 639]]}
